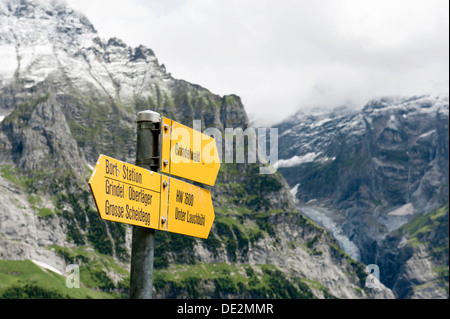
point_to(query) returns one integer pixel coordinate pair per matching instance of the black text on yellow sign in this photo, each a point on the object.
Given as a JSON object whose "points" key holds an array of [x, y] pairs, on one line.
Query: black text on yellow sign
{"points": [[188, 153], [132, 195]]}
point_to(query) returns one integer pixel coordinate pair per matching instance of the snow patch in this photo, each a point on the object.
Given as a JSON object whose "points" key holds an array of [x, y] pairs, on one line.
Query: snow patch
{"points": [[427, 134], [320, 123], [296, 160], [46, 266], [293, 192], [407, 209], [9, 63], [398, 217], [326, 159]]}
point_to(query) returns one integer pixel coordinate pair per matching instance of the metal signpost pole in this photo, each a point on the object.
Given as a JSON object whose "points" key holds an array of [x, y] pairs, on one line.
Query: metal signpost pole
{"points": [[123, 192], [143, 240]]}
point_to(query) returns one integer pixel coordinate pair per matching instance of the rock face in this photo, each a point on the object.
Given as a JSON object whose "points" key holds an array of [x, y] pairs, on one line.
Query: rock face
{"points": [[420, 248], [374, 170], [40, 138], [94, 80], [24, 233], [66, 96]]}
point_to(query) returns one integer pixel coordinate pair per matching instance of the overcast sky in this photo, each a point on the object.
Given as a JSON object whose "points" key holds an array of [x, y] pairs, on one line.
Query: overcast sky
{"points": [[281, 56]]}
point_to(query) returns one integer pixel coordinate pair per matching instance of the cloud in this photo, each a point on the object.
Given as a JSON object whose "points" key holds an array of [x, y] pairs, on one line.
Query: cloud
{"points": [[280, 56], [296, 160]]}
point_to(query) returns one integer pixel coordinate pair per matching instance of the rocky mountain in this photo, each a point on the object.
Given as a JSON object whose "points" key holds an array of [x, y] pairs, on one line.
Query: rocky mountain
{"points": [[371, 177], [66, 96]]}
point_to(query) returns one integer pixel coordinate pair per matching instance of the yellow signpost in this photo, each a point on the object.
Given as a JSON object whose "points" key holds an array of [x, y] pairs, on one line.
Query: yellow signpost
{"points": [[188, 153], [126, 193], [190, 210], [129, 194]]}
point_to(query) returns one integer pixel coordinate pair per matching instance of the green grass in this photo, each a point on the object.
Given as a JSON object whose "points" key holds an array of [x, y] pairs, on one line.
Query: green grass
{"points": [[421, 225], [248, 229], [15, 176], [442, 272], [224, 279], [226, 210], [93, 266], [24, 279], [45, 212], [439, 213]]}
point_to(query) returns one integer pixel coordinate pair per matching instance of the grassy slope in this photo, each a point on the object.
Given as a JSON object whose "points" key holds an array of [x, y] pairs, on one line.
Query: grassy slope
{"points": [[24, 279]]}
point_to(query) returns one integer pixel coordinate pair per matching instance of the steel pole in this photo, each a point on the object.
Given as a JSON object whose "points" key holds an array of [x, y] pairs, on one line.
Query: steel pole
{"points": [[143, 239]]}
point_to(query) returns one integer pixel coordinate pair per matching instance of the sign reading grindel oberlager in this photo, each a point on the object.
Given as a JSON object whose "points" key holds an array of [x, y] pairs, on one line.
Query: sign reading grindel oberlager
{"points": [[132, 195]]}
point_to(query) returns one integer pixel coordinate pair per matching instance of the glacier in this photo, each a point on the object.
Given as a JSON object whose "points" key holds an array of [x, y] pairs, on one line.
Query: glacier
{"points": [[321, 216]]}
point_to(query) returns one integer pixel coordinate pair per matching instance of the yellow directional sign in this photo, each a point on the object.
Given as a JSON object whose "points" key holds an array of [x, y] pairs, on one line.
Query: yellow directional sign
{"points": [[190, 210], [188, 153], [132, 195], [126, 193]]}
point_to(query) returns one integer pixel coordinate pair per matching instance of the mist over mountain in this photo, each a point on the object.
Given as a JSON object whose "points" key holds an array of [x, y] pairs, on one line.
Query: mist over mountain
{"points": [[66, 96], [378, 180]]}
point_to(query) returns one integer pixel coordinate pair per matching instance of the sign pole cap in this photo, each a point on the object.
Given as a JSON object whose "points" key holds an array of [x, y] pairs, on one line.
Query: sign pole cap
{"points": [[148, 116]]}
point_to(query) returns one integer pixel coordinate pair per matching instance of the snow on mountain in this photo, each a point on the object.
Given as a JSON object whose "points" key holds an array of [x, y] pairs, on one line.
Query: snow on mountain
{"points": [[375, 169], [51, 40]]}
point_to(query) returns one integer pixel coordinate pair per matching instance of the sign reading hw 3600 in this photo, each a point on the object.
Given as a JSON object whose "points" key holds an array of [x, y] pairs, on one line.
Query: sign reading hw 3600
{"points": [[132, 195]]}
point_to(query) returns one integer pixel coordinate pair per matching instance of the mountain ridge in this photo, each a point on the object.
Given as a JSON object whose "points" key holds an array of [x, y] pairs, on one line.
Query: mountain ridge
{"points": [[371, 172], [67, 97]]}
